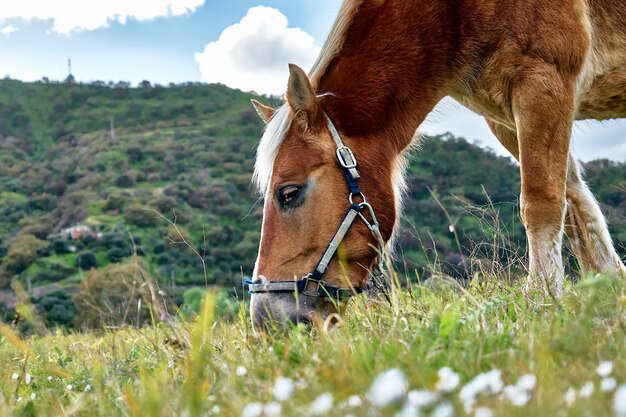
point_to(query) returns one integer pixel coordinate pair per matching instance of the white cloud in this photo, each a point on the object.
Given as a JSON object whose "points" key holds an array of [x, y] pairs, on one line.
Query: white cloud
{"points": [[7, 30], [253, 54], [75, 15]]}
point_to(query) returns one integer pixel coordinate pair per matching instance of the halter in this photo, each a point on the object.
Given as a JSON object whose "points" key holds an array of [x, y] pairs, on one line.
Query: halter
{"points": [[313, 284]]}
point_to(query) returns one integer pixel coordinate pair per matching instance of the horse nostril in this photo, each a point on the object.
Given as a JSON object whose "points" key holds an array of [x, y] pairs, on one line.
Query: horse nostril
{"points": [[279, 310], [300, 319]]}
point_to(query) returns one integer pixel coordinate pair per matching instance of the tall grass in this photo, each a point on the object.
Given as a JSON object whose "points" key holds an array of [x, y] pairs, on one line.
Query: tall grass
{"points": [[209, 367]]}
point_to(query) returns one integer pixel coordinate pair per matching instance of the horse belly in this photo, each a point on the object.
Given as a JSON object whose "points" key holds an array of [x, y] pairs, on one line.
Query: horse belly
{"points": [[605, 98]]}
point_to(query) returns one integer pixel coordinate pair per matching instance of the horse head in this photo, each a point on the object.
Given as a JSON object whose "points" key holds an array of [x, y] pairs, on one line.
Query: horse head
{"points": [[330, 207]]}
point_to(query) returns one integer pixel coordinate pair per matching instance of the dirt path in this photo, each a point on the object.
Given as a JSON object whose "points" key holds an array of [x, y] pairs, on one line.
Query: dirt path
{"points": [[9, 298]]}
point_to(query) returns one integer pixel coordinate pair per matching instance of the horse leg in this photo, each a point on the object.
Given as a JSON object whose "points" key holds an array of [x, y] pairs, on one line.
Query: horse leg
{"points": [[506, 136], [543, 106], [585, 225]]}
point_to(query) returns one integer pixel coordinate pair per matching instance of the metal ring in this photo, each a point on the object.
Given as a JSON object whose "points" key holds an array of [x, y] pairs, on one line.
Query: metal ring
{"points": [[359, 194]]}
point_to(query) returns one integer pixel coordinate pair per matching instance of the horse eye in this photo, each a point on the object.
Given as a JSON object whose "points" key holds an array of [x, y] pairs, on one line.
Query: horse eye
{"points": [[290, 196]]}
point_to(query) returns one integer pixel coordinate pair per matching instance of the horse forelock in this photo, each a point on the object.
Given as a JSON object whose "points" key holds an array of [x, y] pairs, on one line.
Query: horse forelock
{"points": [[274, 135]]}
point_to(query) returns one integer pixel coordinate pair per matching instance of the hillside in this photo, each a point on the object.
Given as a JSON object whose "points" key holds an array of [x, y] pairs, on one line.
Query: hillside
{"points": [[107, 156]]}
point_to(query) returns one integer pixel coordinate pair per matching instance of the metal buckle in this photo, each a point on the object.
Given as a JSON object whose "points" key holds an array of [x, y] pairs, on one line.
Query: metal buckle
{"points": [[309, 291], [346, 157], [343, 294]]}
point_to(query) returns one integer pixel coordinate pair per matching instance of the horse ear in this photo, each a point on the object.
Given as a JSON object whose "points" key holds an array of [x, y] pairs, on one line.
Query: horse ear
{"points": [[300, 94], [265, 112]]}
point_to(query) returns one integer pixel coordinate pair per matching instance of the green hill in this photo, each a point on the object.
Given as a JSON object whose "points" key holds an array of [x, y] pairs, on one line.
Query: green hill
{"points": [[108, 156]]}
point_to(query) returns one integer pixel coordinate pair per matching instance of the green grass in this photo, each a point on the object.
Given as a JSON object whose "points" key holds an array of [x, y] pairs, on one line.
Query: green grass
{"points": [[190, 369]]}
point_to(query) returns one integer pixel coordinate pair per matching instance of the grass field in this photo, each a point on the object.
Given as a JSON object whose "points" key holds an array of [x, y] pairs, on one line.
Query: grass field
{"points": [[485, 350]]}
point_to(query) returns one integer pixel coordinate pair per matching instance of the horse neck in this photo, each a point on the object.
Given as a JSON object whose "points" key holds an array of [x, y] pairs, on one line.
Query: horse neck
{"points": [[397, 61]]}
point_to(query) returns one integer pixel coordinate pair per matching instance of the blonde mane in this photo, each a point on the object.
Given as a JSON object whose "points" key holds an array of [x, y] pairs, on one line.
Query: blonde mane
{"points": [[280, 123]]}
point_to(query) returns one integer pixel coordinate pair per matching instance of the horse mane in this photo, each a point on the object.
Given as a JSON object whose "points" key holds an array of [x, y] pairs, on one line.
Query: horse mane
{"points": [[336, 38], [279, 125]]}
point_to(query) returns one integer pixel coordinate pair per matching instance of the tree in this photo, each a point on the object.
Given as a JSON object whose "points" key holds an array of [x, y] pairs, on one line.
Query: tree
{"points": [[140, 216], [22, 252], [86, 260]]}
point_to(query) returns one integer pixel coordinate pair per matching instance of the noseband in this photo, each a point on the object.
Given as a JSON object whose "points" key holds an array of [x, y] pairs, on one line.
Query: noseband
{"points": [[313, 284]]}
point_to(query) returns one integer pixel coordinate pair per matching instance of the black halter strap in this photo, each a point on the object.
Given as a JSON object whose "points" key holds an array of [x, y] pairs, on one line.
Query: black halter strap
{"points": [[313, 283]]}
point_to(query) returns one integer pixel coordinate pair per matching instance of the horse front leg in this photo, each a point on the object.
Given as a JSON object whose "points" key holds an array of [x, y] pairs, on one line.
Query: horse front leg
{"points": [[543, 106]]}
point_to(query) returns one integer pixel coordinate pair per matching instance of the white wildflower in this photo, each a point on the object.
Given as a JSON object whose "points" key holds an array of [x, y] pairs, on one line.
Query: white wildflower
{"points": [[215, 409], [272, 409], [527, 382], [619, 401], [443, 410], [608, 384], [483, 412], [409, 410], [241, 370], [354, 401], [283, 388], [387, 388], [322, 404], [252, 410], [70, 387], [49, 378], [87, 388], [586, 390], [28, 379], [448, 380], [605, 369], [422, 398], [18, 399], [570, 396], [33, 396], [518, 396], [15, 376], [487, 383]]}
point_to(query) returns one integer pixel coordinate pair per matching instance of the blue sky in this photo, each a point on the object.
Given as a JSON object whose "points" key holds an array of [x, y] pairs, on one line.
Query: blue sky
{"points": [[234, 42]]}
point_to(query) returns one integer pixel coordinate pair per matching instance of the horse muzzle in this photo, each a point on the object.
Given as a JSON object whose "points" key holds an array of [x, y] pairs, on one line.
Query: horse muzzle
{"points": [[274, 310]]}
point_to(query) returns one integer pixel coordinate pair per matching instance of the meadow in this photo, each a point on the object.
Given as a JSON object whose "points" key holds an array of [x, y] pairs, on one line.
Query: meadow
{"points": [[109, 157], [438, 350]]}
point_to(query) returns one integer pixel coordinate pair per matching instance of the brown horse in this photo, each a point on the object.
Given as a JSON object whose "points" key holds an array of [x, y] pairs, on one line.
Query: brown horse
{"points": [[530, 67]]}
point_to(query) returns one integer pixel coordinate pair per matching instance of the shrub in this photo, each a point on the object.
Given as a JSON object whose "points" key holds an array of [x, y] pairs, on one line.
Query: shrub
{"points": [[115, 239], [140, 216], [124, 181], [22, 252], [43, 202], [51, 270], [111, 296], [44, 251], [86, 260], [135, 154], [60, 246], [57, 308], [114, 201], [116, 255]]}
